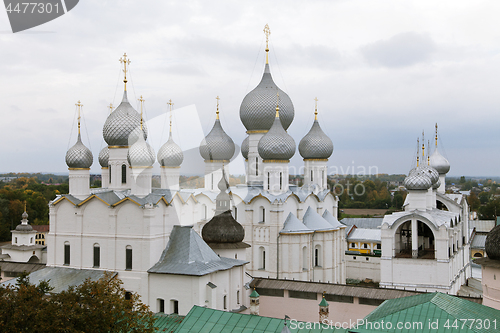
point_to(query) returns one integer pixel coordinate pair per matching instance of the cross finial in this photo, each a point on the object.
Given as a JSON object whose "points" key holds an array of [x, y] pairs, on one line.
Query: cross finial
{"points": [[436, 135], [79, 106], [277, 106], [125, 62], [418, 147], [142, 101], [428, 151], [423, 146], [267, 32], [170, 103], [110, 106], [315, 108], [217, 112]]}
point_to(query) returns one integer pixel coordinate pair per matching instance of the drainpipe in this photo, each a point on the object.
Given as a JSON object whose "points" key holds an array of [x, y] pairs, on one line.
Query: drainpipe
{"points": [[278, 256]]}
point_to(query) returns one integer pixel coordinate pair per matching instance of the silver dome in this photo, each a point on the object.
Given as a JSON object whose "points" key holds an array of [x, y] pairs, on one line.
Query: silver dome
{"points": [[104, 157], [79, 156], [141, 154], [276, 144], [123, 125], [436, 185], [258, 106], [439, 163], [316, 144], [245, 148], [170, 154], [418, 180], [430, 171], [24, 226], [217, 145]]}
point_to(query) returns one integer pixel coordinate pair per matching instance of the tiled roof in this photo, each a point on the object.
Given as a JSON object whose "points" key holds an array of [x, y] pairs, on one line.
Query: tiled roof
{"points": [[293, 225], [316, 222], [167, 323]]}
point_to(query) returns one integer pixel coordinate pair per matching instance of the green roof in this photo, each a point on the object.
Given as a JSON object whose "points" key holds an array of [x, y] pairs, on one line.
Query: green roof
{"points": [[200, 319], [323, 302], [443, 311], [254, 293], [167, 323]]}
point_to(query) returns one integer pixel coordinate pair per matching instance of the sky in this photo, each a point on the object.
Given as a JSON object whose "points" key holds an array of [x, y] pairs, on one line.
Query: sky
{"points": [[383, 71]]}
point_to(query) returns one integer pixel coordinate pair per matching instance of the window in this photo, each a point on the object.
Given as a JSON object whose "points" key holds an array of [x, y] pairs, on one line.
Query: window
{"points": [[268, 180], [204, 210], [224, 301], [161, 305], [379, 246], [212, 181], [256, 166], [262, 255], [367, 259], [281, 180], [16, 240], [175, 306], [238, 297], [97, 256], [353, 245], [311, 175], [262, 214], [128, 258], [109, 173], [124, 174], [235, 213], [66, 253], [317, 258], [365, 246], [323, 175], [31, 240], [304, 258]]}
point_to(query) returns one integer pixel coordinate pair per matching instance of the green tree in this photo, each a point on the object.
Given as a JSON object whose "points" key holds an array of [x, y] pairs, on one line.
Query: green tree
{"points": [[473, 201]]}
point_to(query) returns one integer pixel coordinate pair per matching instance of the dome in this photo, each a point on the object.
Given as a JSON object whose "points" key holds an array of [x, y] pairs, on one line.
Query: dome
{"points": [[276, 144], [104, 157], [438, 162], [436, 185], [258, 106], [170, 154], [217, 145], [316, 144], [223, 228], [492, 245], [245, 147], [141, 154], [429, 171], [123, 125], [418, 180], [24, 226], [79, 156]]}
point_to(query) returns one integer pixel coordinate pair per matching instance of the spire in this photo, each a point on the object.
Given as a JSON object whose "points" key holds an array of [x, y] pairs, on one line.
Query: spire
{"points": [[217, 112], [110, 106], [315, 108], [418, 148], [125, 62], [436, 135], [423, 147], [170, 105], [79, 107], [428, 151], [267, 32], [142, 101]]}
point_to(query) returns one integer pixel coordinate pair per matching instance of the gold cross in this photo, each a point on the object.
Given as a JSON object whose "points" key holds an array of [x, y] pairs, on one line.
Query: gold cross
{"points": [[267, 32], [125, 62], [79, 106], [170, 103], [423, 146], [141, 100], [110, 106], [315, 108], [436, 134], [277, 106], [217, 112]]}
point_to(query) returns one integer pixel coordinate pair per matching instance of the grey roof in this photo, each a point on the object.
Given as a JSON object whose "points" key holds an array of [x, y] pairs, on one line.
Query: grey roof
{"points": [[316, 222], [293, 225], [248, 193], [60, 278], [141, 154], [479, 241], [9, 266], [79, 156], [187, 254], [276, 144], [482, 225], [332, 219], [123, 125], [316, 144], [361, 222], [245, 148], [104, 157], [258, 108], [360, 234], [170, 154], [417, 180], [428, 170], [217, 145], [435, 216], [439, 163], [23, 247]]}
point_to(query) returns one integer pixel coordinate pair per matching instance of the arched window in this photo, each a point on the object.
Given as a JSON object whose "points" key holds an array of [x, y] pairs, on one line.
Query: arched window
{"points": [[204, 211], [365, 246], [174, 305], [256, 166], [304, 258], [238, 297], [281, 180], [262, 214], [224, 300], [109, 173], [66, 253], [262, 256], [317, 256], [268, 180], [128, 258], [312, 175], [97, 256], [124, 174], [161, 305]]}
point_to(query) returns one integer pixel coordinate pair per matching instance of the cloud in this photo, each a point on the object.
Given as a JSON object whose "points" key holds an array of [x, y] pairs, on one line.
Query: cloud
{"points": [[401, 50]]}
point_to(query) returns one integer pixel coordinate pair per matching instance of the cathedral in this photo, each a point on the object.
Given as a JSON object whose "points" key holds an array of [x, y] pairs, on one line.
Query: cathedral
{"points": [[183, 247]]}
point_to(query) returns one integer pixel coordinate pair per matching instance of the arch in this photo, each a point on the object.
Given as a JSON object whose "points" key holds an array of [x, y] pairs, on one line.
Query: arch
{"points": [[403, 246], [478, 255], [262, 258], [317, 256], [97, 255], [442, 205], [262, 214], [124, 174], [33, 260]]}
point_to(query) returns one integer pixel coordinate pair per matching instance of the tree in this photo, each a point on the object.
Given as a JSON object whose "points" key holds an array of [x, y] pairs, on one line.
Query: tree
{"points": [[473, 201], [93, 306]]}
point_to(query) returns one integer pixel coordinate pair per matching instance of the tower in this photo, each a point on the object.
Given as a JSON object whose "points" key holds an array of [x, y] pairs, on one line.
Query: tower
{"points": [[323, 310], [254, 303], [170, 157], [441, 164]]}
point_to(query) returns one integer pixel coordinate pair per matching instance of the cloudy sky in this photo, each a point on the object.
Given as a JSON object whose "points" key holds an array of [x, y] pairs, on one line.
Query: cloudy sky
{"points": [[383, 71]]}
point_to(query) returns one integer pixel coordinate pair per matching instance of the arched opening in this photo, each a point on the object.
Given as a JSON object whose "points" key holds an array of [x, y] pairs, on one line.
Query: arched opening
{"points": [[262, 257], [33, 260], [262, 214], [440, 205], [128, 258], [317, 256], [204, 211], [97, 256], [124, 174], [66, 253], [478, 255], [403, 239]]}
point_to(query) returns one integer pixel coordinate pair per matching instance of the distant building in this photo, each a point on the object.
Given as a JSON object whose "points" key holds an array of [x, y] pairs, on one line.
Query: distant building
{"points": [[41, 233]]}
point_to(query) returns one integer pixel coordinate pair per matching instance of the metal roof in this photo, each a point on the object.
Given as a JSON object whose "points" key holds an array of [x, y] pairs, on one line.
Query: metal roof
{"points": [[188, 254], [435, 216], [316, 222], [329, 288], [60, 278], [293, 225], [167, 323], [332, 219], [248, 193], [365, 235], [431, 307], [9, 266], [478, 241], [200, 319], [361, 222]]}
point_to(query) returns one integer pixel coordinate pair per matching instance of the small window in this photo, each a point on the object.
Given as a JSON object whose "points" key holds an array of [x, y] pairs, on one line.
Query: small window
{"points": [[16, 240], [365, 246], [256, 166], [31, 240], [262, 257], [109, 166], [175, 306], [317, 259], [354, 258], [281, 180], [353, 245], [224, 300], [367, 259], [238, 297], [235, 213], [128, 258], [124, 174], [212, 181], [97, 256], [312, 175], [161, 305], [66, 253], [268, 181], [379, 246]]}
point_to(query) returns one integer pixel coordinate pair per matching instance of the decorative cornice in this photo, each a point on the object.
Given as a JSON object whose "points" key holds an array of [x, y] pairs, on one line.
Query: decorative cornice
{"points": [[257, 131], [78, 168], [316, 159], [114, 147], [276, 161]]}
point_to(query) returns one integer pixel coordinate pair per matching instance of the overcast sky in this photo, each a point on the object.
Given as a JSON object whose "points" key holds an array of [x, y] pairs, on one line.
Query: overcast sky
{"points": [[383, 71]]}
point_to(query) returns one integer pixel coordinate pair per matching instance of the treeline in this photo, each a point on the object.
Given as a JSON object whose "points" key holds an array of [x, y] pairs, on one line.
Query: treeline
{"points": [[15, 193]]}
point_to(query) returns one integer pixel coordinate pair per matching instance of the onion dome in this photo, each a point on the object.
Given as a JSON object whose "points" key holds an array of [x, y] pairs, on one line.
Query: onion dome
{"points": [[258, 106], [316, 144], [418, 180], [436, 185], [123, 125], [428, 170], [492, 245], [223, 228], [276, 144], [217, 145], [141, 154], [245, 148], [170, 154], [438, 162], [24, 226], [104, 157], [79, 156]]}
